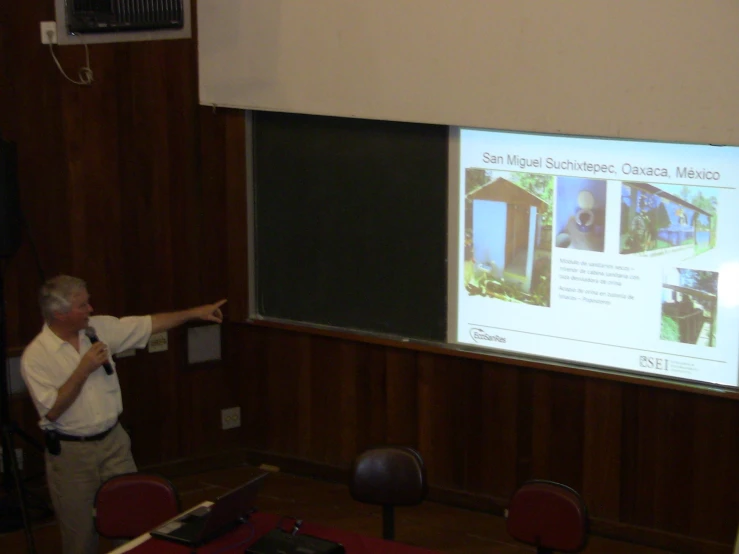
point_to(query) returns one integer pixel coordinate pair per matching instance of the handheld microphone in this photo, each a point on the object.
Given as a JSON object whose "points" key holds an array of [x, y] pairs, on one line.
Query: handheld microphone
{"points": [[90, 332]]}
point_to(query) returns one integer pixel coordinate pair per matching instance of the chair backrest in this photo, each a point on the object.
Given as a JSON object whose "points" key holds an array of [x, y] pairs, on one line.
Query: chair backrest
{"points": [[548, 515], [131, 504], [389, 476]]}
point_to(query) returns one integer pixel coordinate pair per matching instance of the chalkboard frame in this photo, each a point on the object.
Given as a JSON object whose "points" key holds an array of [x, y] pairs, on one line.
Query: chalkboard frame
{"points": [[431, 339]]}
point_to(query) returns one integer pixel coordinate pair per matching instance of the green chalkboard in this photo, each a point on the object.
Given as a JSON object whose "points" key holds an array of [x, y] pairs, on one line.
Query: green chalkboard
{"points": [[350, 223]]}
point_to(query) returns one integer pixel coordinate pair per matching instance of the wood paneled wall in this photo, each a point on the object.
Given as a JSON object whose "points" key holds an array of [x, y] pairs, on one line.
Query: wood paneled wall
{"points": [[133, 186], [123, 184], [654, 465]]}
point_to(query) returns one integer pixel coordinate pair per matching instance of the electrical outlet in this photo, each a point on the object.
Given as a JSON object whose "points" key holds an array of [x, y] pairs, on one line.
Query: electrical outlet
{"points": [[231, 418], [48, 32], [18, 457]]}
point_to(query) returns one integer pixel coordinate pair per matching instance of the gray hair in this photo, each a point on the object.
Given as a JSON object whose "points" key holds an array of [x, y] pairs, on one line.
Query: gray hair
{"points": [[56, 295]]}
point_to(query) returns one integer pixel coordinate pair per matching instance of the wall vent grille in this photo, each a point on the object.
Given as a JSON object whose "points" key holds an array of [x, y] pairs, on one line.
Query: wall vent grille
{"points": [[107, 16]]}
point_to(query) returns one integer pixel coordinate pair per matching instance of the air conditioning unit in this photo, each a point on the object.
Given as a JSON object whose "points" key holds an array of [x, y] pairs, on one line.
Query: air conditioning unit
{"points": [[95, 21]]}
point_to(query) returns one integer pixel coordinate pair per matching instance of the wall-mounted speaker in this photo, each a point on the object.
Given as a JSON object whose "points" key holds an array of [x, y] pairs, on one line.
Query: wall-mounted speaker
{"points": [[10, 205]]}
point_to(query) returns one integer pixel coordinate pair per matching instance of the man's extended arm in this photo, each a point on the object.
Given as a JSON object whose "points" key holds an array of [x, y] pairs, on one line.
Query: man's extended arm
{"points": [[169, 320]]}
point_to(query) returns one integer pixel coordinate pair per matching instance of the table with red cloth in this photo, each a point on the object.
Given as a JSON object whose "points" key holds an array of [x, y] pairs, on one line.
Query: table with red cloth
{"points": [[260, 523]]}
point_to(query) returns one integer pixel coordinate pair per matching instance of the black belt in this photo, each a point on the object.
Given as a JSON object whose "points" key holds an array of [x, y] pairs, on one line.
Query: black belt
{"points": [[90, 438]]}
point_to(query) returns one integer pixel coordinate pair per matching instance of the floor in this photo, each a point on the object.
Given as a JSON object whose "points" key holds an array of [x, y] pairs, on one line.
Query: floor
{"points": [[429, 525]]}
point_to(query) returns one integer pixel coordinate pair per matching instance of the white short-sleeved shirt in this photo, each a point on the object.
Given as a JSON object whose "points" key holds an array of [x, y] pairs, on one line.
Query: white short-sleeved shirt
{"points": [[48, 361]]}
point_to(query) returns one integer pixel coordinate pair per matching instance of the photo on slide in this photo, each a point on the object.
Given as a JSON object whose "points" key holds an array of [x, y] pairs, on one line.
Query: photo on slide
{"points": [[677, 221], [580, 218], [689, 301], [508, 235]]}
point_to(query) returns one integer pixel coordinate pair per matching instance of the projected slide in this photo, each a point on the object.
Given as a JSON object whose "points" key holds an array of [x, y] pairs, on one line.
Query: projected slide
{"points": [[603, 253]]}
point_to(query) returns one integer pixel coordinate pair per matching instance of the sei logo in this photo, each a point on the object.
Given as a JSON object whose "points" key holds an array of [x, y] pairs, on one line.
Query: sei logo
{"points": [[650, 362]]}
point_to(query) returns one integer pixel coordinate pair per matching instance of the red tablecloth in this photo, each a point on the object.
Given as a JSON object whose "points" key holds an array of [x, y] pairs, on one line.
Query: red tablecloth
{"points": [[241, 537]]}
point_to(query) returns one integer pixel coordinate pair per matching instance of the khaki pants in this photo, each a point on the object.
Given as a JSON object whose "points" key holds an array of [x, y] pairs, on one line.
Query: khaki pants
{"points": [[74, 477]]}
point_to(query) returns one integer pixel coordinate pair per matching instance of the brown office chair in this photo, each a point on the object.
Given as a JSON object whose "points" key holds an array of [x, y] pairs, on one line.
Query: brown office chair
{"points": [[131, 504], [550, 516], [389, 476]]}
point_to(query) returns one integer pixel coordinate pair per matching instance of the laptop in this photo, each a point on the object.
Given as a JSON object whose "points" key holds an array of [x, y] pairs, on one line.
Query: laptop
{"points": [[208, 522]]}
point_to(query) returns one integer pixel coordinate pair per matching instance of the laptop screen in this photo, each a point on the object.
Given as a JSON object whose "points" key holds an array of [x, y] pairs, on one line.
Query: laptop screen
{"points": [[200, 525], [235, 505]]}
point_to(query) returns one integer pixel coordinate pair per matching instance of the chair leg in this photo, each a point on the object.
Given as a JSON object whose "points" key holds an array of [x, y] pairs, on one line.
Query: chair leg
{"points": [[388, 523]]}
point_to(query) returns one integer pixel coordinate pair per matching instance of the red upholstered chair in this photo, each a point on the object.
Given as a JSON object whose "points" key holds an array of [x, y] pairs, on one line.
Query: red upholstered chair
{"points": [[129, 505], [389, 476], [550, 516]]}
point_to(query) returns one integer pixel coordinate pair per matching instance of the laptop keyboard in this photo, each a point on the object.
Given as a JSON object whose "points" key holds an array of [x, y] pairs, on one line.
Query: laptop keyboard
{"points": [[187, 525], [189, 530]]}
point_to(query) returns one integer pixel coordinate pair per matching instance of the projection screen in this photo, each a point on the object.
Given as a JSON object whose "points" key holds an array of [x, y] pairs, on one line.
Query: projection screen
{"points": [[609, 253]]}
